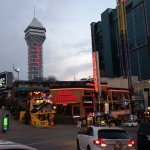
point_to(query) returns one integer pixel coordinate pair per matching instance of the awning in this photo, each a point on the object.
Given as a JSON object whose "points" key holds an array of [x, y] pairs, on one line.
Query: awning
{"points": [[120, 112]]}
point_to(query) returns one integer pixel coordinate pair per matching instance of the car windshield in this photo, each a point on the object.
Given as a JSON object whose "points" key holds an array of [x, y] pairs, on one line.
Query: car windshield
{"points": [[113, 134]]}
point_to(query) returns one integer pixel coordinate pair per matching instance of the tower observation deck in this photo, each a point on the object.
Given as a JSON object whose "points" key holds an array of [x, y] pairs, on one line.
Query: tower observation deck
{"points": [[35, 37]]}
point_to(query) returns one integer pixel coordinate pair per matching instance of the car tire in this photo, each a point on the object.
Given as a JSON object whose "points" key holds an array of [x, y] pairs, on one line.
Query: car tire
{"points": [[88, 148], [78, 145]]}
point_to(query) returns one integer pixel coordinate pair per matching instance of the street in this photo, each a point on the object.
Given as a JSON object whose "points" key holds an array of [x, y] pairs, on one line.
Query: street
{"points": [[58, 137]]}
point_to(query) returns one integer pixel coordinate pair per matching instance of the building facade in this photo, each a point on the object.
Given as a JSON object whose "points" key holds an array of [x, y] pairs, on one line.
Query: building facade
{"points": [[76, 100], [104, 35], [35, 36]]}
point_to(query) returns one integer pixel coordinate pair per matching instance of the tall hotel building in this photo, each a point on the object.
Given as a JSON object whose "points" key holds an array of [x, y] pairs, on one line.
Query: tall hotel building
{"points": [[104, 35], [35, 36]]}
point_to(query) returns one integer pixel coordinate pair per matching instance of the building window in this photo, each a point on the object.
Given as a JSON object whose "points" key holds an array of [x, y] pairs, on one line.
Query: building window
{"points": [[76, 110]]}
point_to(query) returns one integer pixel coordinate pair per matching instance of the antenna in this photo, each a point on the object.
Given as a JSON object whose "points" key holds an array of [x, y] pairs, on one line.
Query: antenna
{"points": [[34, 11]]}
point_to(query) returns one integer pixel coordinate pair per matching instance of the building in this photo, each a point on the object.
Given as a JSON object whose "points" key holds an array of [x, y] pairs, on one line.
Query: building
{"points": [[104, 35], [35, 36], [76, 100]]}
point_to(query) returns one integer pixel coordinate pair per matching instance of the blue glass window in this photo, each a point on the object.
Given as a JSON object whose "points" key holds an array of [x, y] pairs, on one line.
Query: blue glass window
{"points": [[139, 25]]}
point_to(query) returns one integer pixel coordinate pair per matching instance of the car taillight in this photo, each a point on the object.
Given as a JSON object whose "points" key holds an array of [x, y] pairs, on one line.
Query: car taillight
{"points": [[99, 142], [131, 143]]}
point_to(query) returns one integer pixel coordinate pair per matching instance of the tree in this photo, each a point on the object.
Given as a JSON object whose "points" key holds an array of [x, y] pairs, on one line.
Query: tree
{"points": [[50, 78]]}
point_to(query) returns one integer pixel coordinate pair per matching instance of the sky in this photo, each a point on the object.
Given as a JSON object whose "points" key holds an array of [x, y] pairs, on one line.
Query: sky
{"points": [[67, 50]]}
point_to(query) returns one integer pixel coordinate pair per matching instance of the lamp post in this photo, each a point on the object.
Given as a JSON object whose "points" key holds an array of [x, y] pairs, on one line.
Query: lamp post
{"points": [[17, 70]]}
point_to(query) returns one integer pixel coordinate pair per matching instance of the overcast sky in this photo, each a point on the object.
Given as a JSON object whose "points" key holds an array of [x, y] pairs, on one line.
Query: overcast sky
{"points": [[67, 50]]}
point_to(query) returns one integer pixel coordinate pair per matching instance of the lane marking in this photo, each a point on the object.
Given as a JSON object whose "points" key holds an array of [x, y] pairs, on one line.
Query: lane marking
{"points": [[39, 142]]}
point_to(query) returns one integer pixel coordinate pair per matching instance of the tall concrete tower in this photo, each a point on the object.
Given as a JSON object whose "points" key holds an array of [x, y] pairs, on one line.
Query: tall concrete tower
{"points": [[35, 37]]}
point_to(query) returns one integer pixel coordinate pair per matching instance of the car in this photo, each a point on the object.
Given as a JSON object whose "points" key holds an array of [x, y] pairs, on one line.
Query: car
{"points": [[131, 123], [104, 138], [9, 145], [143, 136]]}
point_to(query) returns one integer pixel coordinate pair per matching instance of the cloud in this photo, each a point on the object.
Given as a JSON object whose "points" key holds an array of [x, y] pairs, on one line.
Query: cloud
{"points": [[67, 48]]}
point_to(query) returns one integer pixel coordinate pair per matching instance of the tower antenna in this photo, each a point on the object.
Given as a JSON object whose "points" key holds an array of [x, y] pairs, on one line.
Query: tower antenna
{"points": [[34, 11]]}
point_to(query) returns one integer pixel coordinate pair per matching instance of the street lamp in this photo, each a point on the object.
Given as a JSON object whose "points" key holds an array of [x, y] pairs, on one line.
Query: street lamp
{"points": [[17, 70]]}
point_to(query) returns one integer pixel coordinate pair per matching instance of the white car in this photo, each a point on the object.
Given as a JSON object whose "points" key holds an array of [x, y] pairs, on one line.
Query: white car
{"points": [[8, 145], [104, 138], [131, 123]]}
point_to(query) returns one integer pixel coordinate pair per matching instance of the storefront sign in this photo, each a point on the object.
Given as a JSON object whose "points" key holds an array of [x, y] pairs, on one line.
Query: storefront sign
{"points": [[106, 108], [87, 101], [65, 96], [120, 112], [124, 102], [137, 98], [95, 72]]}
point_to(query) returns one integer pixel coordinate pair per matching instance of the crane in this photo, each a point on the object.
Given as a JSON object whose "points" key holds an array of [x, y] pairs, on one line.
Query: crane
{"points": [[125, 61]]}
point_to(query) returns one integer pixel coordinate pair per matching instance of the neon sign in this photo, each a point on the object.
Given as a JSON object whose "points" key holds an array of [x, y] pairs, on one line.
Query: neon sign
{"points": [[95, 74], [88, 101], [65, 96], [37, 61]]}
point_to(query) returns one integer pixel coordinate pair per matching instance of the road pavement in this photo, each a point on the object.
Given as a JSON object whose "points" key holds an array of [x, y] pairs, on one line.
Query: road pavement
{"points": [[58, 137]]}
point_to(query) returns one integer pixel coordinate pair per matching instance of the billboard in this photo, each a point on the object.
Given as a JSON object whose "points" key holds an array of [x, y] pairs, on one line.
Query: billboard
{"points": [[6, 81]]}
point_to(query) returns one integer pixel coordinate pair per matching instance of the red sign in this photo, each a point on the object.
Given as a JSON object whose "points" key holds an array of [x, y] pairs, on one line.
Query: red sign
{"points": [[120, 112], [65, 96], [95, 74]]}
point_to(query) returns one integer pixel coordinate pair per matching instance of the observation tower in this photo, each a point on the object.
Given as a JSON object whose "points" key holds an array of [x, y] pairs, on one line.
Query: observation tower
{"points": [[35, 37]]}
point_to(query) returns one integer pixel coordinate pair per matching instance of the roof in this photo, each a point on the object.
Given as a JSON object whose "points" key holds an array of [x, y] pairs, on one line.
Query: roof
{"points": [[107, 128], [35, 23]]}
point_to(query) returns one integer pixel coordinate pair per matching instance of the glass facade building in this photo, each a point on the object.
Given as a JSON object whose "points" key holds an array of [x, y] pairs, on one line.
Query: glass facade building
{"points": [[138, 34]]}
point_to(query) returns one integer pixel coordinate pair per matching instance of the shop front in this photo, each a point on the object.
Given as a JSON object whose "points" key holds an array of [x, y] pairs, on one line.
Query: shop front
{"points": [[72, 104]]}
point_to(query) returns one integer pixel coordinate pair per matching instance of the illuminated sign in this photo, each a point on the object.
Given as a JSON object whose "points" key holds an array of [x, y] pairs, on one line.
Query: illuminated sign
{"points": [[87, 101], [106, 108], [65, 96], [6, 80], [124, 101], [37, 55], [120, 112], [95, 74], [5, 123]]}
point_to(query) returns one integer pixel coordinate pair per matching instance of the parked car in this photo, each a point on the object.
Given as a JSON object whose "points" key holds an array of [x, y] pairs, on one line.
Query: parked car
{"points": [[8, 145], [131, 123], [104, 138], [143, 136]]}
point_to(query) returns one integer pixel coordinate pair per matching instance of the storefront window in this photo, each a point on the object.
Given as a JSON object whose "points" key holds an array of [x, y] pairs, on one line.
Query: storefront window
{"points": [[115, 96]]}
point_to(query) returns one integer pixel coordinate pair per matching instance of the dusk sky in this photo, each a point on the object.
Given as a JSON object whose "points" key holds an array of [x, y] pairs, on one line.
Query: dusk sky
{"points": [[67, 50]]}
